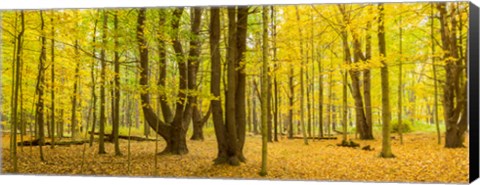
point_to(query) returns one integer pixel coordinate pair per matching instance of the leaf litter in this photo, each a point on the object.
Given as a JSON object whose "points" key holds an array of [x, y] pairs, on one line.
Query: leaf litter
{"points": [[419, 159]]}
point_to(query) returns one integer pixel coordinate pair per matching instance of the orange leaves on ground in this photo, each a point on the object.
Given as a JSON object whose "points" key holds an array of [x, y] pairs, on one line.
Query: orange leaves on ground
{"points": [[419, 159]]}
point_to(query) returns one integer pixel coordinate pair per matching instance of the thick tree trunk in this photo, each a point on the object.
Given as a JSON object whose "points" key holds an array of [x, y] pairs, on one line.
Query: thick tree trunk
{"points": [[455, 89], [198, 123], [230, 114], [363, 127], [366, 128], [193, 64], [216, 73], [150, 117], [240, 99], [183, 110]]}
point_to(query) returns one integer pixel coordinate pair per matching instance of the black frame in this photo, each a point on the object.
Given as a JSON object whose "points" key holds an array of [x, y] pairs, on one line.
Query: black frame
{"points": [[473, 97]]}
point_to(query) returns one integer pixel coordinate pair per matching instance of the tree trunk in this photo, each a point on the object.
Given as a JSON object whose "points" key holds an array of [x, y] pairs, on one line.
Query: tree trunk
{"points": [[367, 77], [116, 95], [240, 99], [94, 95], [455, 89], [354, 75], [52, 92], [74, 96], [363, 127], [320, 97], [275, 83], [183, 111], [150, 117], [302, 89], [265, 80], [17, 58], [198, 123], [13, 102], [162, 54], [254, 110], [386, 115], [400, 83], [101, 147], [193, 64], [269, 108], [230, 107], [435, 85], [216, 73], [290, 101], [40, 85]]}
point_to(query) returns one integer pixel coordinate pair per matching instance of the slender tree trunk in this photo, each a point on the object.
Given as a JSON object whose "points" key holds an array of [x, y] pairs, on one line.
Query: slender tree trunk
{"points": [[345, 105], [386, 115], [116, 107], [263, 170], [302, 89], [400, 83], [320, 97], [52, 93], [14, 123], [254, 110], [435, 85], [269, 108], [275, 83], [347, 60], [309, 108], [162, 54], [13, 102], [94, 95], [330, 99], [367, 76], [290, 101], [75, 96], [61, 124], [101, 147], [40, 90]]}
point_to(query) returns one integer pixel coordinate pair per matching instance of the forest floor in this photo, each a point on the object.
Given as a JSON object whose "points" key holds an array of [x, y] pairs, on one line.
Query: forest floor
{"points": [[419, 159]]}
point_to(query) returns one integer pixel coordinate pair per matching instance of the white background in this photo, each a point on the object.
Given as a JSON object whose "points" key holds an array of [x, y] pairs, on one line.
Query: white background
{"points": [[47, 4]]}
